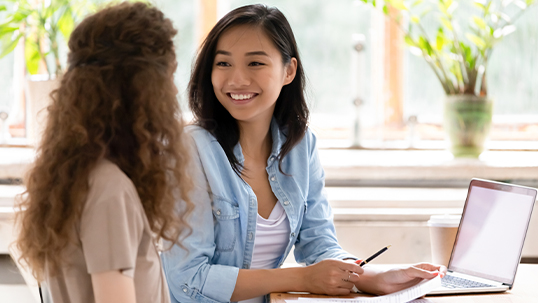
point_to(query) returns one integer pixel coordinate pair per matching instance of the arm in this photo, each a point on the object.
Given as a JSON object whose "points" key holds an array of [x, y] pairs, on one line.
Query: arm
{"points": [[317, 237], [113, 287], [376, 281], [326, 277]]}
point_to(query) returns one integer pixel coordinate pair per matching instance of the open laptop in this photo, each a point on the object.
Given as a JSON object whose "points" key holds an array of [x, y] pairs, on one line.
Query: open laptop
{"points": [[490, 238]]}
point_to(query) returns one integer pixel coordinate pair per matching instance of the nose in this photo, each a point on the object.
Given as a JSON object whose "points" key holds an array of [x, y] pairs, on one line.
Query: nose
{"points": [[239, 77]]}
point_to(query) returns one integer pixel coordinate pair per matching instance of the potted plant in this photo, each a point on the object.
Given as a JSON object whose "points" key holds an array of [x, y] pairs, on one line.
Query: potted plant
{"points": [[43, 26], [458, 54]]}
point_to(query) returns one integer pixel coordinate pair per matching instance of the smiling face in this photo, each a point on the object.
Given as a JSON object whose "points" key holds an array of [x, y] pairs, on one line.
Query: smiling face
{"points": [[248, 73]]}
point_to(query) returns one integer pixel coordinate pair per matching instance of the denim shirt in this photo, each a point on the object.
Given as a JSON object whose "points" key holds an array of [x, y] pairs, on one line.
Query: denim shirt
{"points": [[224, 220]]}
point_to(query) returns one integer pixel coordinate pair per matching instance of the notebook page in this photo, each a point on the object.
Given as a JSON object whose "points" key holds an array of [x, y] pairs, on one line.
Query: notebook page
{"points": [[402, 296]]}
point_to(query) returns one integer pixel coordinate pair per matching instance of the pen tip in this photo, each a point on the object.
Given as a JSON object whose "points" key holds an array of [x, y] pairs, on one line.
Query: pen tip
{"points": [[389, 246]]}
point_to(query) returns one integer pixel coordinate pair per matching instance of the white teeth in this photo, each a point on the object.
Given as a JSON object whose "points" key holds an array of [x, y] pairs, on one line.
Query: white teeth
{"points": [[241, 96]]}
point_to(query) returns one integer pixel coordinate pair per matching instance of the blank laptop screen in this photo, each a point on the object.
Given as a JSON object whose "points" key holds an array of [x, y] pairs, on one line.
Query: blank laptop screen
{"points": [[492, 232]]}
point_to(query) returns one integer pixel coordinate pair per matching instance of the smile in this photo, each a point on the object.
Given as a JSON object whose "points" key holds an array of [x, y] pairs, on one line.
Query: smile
{"points": [[241, 97]]}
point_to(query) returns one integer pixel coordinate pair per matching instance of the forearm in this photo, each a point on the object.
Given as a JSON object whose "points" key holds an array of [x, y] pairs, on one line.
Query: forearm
{"points": [[253, 283], [369, 281]]}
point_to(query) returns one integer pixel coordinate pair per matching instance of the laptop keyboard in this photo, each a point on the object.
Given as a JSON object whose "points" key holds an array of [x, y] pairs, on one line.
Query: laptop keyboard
{"points": [[454, 282]]}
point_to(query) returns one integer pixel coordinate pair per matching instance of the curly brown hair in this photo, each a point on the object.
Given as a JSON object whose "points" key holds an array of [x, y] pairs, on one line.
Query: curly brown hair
{"points": [[116, 101]]}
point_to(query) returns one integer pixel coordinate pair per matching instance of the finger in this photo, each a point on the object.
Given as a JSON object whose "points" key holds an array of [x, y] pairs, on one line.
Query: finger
{"points": [[354, 278], [346, 284], [417, 272], [351, 267], [432, 268]]}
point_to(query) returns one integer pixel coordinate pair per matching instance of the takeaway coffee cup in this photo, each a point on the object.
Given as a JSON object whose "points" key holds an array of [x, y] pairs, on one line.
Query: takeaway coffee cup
{"points": [[443, 229]]}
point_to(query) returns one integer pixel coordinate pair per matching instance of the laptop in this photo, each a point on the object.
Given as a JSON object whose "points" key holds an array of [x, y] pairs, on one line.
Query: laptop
{"points": [[490, 238]]}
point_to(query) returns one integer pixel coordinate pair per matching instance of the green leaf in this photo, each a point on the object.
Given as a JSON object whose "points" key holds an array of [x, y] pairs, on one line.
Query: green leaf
{"points": [[385, 10], [32, 57], [398, 4], [10, 46], [479, 5], [479, 22], [415, 19], [7, 30], [409, 41], [440, 39], [479, 42], [66, 24], [425, 46], [3, 8]]}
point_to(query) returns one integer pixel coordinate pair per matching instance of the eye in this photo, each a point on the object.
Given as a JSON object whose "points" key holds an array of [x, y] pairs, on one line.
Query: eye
{"points": [[255, 63], [222, 63]]}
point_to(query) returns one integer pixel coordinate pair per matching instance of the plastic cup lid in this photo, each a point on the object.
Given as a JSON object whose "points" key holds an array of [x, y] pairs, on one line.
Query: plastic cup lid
{"points": [[444, 220]]}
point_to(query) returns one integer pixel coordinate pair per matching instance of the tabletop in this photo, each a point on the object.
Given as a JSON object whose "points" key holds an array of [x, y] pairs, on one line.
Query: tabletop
{"points": [[525, 290]]}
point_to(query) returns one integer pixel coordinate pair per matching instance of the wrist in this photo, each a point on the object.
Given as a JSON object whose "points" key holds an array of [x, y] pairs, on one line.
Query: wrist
{"points": [[299, 276]]}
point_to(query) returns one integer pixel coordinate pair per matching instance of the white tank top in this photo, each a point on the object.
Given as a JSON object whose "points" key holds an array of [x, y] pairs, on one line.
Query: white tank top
{"points": [[272, 237]]}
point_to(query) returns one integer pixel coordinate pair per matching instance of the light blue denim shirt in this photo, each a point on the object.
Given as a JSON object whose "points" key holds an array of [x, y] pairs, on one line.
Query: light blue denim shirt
{"points": [[224, 220]]}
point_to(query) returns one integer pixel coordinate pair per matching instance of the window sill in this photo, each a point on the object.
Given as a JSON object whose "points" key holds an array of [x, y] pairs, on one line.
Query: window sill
{"points": [[425, 168]]}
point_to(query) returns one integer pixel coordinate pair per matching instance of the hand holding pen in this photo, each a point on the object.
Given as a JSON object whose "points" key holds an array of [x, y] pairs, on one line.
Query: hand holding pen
{"points": [[369, 259]]}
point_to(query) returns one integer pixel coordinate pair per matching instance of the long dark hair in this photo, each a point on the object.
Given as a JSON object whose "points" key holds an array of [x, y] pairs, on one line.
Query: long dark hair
{"points": [[291, 111]]}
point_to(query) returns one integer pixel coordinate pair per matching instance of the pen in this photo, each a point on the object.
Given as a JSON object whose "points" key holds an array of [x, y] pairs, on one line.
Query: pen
{"points": [[364, 262]]}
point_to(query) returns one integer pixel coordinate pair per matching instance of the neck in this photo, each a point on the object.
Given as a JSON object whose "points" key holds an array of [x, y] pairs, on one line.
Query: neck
{"points": [[255, 139]]}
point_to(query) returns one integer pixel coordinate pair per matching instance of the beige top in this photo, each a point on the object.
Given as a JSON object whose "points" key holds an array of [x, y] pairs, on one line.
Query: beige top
{"points": [[113, 234]]}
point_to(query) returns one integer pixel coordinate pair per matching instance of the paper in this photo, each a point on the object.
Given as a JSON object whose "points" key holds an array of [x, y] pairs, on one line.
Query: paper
{"points": [[402, 296]]}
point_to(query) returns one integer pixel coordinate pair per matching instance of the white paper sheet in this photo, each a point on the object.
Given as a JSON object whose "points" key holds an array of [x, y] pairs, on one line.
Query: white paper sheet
{"points": [[402, 296]]}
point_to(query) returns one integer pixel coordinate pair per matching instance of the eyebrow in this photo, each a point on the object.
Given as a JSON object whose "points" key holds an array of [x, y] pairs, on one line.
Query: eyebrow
{"points": [[255, 53]]}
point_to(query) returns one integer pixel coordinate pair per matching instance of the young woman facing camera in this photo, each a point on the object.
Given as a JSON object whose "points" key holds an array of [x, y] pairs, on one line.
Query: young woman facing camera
{"points": [[111, 166], [263, 188]]}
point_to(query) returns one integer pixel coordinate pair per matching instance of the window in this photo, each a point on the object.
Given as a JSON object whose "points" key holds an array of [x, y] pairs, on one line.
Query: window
{"points": [[401, 99]]}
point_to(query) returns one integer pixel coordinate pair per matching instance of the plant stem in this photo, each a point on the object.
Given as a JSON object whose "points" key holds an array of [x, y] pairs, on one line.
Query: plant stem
{"points": [[448, 81], [463, 69]]}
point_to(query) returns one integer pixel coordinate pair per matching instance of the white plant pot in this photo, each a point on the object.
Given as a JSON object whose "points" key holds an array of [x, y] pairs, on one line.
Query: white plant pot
{"points": [[37, 100]]}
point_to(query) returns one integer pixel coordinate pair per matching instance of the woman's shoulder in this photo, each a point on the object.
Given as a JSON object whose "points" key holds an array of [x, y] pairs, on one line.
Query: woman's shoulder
{"points": [[197, 131], [201, 137], [308, 141], [106, 180], [107, 170]]}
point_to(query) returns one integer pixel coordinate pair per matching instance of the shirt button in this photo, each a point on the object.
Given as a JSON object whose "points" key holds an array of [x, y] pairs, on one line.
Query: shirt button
{"points": [[272, 158], [252, 202], [292, 235], [286, 203], [273, 178], [250, 236], [184, 289], [218, 212]]}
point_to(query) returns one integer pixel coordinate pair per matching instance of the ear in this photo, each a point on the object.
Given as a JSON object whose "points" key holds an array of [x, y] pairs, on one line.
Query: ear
{"points": [[291, 70]]}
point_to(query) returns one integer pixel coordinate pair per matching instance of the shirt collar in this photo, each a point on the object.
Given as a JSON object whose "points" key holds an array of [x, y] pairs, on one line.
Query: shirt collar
{"points": [[277, 137]]}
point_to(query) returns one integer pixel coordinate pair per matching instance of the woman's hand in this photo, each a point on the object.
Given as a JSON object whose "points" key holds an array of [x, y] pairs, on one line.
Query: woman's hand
{"points": [[331, 277], [398, 278]]}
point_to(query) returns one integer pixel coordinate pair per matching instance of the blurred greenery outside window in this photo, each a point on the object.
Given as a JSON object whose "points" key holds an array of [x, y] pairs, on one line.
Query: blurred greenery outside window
{"points": [[337, 74]]}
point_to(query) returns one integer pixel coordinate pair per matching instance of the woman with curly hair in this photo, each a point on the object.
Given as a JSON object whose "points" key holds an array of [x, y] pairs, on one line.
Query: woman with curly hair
{"points": [[111, 165]]}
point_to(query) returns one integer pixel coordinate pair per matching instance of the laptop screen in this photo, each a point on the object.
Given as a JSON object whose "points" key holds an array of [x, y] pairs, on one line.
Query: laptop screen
{"points": [[492, 230]]}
